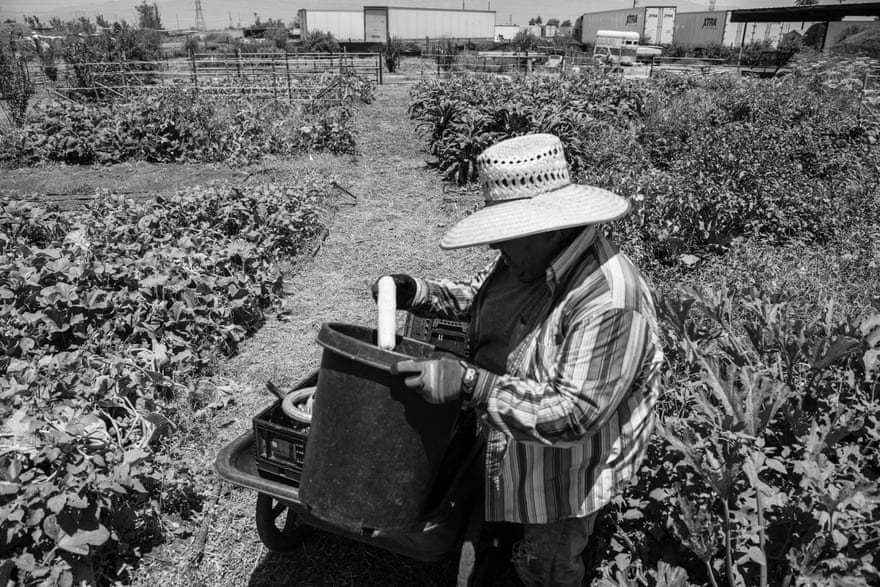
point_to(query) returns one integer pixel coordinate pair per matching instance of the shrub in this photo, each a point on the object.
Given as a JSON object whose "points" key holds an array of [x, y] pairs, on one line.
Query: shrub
{"points": [[15, 85], [392, 52], [320, 42], [866, 43]]}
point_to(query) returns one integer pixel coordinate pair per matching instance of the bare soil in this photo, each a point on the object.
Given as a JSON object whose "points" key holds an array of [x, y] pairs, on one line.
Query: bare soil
{"points": [[395, 224]]}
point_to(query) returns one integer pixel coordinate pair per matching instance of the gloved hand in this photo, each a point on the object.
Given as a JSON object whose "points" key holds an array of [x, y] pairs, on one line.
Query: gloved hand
{"points": [[406, 290], [437, 380]]}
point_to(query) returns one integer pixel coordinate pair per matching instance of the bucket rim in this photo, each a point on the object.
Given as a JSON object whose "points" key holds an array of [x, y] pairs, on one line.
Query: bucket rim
{"points": [[332, 338]]}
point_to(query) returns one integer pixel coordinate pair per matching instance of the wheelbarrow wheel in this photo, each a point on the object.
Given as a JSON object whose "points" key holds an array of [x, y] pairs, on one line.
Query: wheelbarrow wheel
{"points": [[278, 526]]}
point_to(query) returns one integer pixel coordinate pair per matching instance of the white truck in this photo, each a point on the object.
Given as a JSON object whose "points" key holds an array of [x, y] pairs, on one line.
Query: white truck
{"points": [[616, 47]]}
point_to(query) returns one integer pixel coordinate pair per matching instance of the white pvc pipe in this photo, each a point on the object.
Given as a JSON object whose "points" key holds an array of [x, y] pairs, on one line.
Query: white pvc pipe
{"points": [[387, 303]]}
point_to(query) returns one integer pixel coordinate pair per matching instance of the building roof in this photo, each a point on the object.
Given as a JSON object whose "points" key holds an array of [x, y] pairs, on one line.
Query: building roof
{"points": [[817, 12]]}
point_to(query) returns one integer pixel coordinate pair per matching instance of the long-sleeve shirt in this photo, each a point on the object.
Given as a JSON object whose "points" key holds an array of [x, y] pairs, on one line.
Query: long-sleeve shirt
{"points": [[570, 417]]}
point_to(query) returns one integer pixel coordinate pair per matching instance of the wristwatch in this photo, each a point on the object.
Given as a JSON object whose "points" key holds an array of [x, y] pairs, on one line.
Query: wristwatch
{"points": [[468, 380]]}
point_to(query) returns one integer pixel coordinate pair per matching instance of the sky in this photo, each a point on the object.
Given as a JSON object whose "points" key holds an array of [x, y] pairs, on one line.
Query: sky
{"points": [[220, 13]]}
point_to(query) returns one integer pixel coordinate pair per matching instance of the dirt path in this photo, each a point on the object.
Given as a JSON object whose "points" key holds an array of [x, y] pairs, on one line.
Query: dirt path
{"points": [[400, 214]]}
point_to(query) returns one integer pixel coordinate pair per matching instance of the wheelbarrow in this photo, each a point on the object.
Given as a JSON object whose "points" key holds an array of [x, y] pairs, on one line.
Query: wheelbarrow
{"points": [[269, 459]]}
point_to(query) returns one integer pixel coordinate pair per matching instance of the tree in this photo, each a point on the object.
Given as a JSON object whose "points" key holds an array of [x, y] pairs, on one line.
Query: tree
{"points": [[525, 41], [552, 22], [148, 16], [102, 22], [815, 35], [276, 32], [566, 22]]}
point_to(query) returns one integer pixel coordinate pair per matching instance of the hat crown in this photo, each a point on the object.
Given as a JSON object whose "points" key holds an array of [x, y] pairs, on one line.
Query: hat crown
{"points": [[523, 167]]}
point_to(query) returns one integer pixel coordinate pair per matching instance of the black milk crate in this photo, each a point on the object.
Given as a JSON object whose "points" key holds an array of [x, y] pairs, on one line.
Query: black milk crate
{"points": [[444, 334], [280, 445]]}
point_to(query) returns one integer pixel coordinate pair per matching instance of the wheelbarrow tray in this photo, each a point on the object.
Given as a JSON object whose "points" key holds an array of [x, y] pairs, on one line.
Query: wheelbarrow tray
{"points": [[444, 526]]}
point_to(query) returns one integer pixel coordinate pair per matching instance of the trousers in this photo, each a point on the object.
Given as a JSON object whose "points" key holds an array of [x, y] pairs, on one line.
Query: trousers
{"points": [[550, 554]]}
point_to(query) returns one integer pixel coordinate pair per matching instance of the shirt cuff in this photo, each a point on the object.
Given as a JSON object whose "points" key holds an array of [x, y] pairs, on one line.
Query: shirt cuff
{"points": [[485, 382], [421, 291]]}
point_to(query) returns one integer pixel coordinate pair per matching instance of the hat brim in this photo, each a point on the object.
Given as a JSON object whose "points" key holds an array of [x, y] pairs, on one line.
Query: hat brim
{"points": [[573, 205]]}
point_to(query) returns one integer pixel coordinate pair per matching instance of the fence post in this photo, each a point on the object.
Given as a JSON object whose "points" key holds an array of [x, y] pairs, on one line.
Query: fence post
{"points": [[287, 70], [195, 76], [379, 67]]}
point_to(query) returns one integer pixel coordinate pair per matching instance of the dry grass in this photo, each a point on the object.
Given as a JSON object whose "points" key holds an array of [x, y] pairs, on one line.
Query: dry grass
{"points": [[395, 226]]}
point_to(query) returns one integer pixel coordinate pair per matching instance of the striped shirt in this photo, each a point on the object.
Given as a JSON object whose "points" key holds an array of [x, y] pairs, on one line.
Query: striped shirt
{"points": [[569, 420]]}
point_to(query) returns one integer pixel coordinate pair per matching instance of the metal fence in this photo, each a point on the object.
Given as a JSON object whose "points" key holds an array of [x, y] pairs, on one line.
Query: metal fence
{"points": [[291, 76], [869, 99]]}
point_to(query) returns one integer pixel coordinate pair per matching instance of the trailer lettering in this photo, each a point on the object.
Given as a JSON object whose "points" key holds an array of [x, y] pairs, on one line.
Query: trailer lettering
{"points": [[710, 22], [632, 19]]}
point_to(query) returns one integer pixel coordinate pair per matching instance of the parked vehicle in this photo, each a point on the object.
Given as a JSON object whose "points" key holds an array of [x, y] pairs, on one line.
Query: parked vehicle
{"points": [[616, 47]]}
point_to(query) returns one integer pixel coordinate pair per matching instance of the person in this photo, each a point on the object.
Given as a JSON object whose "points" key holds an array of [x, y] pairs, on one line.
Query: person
{"points": [[564, 352]]}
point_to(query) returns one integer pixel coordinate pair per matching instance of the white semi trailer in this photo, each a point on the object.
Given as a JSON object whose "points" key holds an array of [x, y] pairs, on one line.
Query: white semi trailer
{"points": [[702, 29], [377, 24], [654, 24]]}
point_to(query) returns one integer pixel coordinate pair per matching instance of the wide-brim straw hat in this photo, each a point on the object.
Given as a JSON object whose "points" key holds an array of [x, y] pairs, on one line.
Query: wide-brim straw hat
{"points": [[528, 190]]}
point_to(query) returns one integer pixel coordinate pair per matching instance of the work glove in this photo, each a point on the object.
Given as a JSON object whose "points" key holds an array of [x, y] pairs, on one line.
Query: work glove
{"points": [[406, 290], [438, 380]]}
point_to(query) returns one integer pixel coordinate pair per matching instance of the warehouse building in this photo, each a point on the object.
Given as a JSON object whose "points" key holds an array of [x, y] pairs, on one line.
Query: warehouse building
{"points": [[378, 24], [663, 25]]}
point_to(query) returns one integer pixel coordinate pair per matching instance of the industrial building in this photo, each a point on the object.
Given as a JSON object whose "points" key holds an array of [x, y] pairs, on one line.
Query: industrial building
{"points": [[662, 25], [378, 24]]}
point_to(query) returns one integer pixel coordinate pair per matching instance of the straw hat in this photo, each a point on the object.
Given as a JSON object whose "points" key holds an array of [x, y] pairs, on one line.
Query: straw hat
{"points": [[528, 190]]}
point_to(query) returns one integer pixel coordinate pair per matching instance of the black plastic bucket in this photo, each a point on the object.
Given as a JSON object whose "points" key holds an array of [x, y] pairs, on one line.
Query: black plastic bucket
{"points": [[375, 447]]}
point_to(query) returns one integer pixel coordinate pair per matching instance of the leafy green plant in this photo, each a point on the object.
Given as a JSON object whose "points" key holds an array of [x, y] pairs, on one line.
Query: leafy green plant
{"points": [[110, 320], [704, 160], [177, 126], [777, 418]]}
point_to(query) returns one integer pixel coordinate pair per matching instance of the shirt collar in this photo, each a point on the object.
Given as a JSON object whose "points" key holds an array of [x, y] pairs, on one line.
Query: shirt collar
{"points": [[567, 259]]}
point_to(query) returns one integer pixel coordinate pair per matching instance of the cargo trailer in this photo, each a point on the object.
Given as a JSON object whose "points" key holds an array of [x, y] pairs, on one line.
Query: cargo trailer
{"points": [[702, 29], [654, 24]]}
